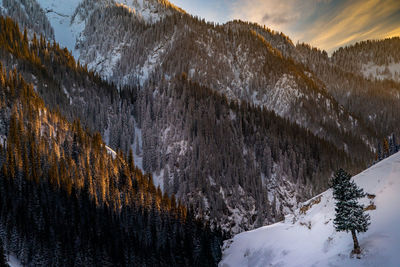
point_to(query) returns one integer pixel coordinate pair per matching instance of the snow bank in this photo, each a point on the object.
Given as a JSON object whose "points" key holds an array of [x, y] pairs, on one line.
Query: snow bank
{"points": [[308, 237]]}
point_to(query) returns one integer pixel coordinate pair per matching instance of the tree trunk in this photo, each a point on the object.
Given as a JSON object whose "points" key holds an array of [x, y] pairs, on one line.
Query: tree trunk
{"points": [[356, 249]]}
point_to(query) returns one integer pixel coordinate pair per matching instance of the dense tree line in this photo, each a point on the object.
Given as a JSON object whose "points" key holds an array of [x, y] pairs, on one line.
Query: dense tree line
{"points": [[380, 52], [235, 59], [388, 147], [373, 102], [65, 200], [194, 143], [257, 142], [29, 14], [69, 87]]}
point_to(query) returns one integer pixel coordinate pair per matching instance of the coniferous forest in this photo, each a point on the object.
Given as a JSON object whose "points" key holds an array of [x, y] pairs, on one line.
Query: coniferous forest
{"points": [[176, 109], [147, 136], [67, 200]]}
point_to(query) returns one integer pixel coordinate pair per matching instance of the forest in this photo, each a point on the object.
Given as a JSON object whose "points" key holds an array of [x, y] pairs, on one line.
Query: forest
{"points": [[66, 200]]}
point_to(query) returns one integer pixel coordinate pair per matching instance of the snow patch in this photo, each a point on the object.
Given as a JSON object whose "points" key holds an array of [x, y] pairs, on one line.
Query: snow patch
{"points": [[13, 261], [111, 152], [283, 96], [390, 71], [137, 147], [59, 13], [158, 180]]}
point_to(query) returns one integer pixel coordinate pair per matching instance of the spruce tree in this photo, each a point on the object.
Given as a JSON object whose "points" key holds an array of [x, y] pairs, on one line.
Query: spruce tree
{"points": [[350, 215]]}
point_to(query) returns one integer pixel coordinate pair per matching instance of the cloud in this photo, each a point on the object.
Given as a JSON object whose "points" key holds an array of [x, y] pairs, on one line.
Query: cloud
{"points": [[326, 24], [277, 19], [278, 15], [360, 20]]}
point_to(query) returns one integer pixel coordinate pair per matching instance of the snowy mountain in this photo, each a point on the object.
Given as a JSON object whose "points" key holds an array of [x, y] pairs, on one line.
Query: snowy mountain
{"points": [[308, 237], [69, 17], [61, 185], [129, 41], [376, 59], [146, 45]]}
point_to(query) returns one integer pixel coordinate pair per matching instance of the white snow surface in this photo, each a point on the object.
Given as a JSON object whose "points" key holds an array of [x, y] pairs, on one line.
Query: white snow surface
{"points": [[390, 71], [283, 96], [13, 261], [310, 239], [59, 14], [68, 31], [138, 157], [111, 152], [145, 10]]}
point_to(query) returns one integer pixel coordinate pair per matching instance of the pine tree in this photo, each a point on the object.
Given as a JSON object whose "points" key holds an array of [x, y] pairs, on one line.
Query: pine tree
{"points": [[385, 148], [350, 214]]}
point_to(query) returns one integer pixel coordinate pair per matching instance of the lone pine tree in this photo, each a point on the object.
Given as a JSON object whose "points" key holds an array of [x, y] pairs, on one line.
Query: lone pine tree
{"points": [[350, 215]]}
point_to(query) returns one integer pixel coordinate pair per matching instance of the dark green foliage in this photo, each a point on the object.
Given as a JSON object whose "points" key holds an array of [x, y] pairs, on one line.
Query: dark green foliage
{"points": [[350, 215], [64, 200], [387, 148]]}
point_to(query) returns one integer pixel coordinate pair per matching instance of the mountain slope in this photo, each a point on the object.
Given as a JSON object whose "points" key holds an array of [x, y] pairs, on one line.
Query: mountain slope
{"points": [[374, 59], [309, 238], [66, 199], [128, 41], [29, 14], [373, 101], [175, 125], [234, 61]]}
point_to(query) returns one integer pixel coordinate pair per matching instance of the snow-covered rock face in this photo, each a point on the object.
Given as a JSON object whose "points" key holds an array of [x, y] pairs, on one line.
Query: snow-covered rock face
{"points": [[59, 14], [149, 11], [283, 96], [68, 18], [29, 15], [390, 71], [308, 237]]}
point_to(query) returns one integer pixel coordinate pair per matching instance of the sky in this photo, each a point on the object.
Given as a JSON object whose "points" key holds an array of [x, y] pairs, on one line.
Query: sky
{"points": [[326, 24]]}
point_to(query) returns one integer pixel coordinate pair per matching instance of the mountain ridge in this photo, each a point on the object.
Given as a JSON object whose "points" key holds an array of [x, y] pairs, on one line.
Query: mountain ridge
{"points": [[249, 66]]}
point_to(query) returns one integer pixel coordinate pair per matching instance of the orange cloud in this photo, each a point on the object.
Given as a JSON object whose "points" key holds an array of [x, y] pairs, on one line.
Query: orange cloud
{"points": [[324, 23]]}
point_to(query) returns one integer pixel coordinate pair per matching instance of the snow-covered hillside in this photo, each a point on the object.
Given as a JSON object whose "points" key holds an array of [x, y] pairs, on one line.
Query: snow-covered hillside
{"points": [[390, 71], [59, 14], [68, 27], [308, 237]]}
